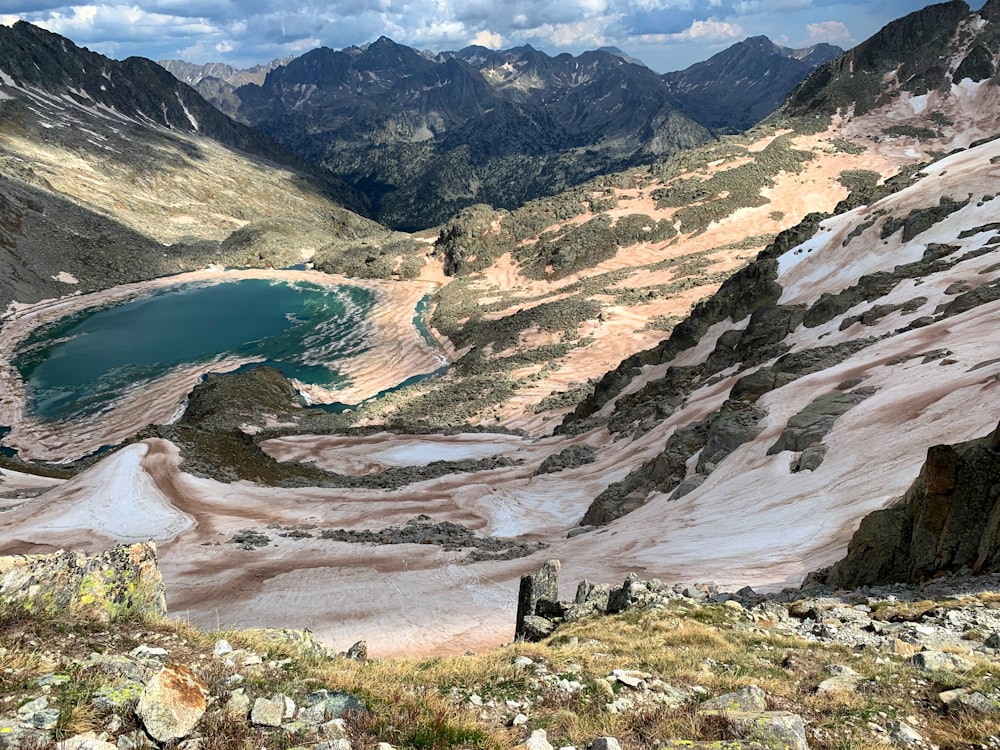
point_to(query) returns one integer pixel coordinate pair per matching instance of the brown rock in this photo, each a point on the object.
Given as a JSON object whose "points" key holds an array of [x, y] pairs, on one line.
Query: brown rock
{"points": [[939, 471], [172, 703], [903, 648]]}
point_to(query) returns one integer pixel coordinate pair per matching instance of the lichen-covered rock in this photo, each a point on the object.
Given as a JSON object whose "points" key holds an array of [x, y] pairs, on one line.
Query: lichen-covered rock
{"points": [[119, 582], [172, 703], [939, 661], [750, 698], [773, 729], [85, 741], [268, 712]]}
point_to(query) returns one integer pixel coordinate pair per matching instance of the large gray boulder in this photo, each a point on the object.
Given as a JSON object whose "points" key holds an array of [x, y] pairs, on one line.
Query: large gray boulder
{"points": [[537, 590]]}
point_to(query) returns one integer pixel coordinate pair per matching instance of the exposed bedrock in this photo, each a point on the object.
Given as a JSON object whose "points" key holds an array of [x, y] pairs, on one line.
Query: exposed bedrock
{"points": [[752, 291], [120, 582], [807, 429], [947, 520]]}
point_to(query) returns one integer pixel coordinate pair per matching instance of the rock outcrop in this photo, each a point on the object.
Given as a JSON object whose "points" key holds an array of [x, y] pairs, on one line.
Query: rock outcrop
{"points": [[539, 593], [947, 520], [120, 582]]}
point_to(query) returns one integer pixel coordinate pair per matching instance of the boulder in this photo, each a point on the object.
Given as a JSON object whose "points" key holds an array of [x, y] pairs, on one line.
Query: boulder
{"points": [[774, 729], [538, 741], [750, 698], [172, 703], [931, 661], [122, 581], [841, 679], [334, 704], [358, 652], [268, 712], [536, 628], [85, 741], [237, 705]]}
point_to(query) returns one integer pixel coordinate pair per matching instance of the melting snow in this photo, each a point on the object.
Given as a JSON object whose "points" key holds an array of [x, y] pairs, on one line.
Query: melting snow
{"points": [[967, 88], [919, 103], [194, 122]]}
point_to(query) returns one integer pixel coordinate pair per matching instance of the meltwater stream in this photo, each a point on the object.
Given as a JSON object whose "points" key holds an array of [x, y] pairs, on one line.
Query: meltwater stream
{"points": [[82, 363]]}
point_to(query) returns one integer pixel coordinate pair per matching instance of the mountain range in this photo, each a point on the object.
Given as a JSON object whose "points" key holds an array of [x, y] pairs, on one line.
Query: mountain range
{"points": [[424, 136], [740, 86]]}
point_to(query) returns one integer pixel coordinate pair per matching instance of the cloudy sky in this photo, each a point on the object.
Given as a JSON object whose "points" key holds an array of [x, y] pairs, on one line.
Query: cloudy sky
{"points": [[665, 34]]}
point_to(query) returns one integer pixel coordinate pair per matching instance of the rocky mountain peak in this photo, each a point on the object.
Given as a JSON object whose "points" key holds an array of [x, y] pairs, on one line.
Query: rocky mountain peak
{"points": [[738, 87], [917, 53]]}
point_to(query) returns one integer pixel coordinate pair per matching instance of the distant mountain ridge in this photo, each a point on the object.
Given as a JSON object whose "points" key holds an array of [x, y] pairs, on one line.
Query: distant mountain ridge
{"points": [[740, 86], [217, 82], [193, 74], [115, 171], [425, 137], [134, 87]]}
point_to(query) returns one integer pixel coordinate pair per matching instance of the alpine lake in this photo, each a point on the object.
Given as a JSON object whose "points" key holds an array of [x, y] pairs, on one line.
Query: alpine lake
{"points": [[82, 363]]}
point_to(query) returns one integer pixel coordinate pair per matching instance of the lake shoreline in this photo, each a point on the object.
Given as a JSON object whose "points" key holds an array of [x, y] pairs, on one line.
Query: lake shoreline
{"points": [[398, 351]]}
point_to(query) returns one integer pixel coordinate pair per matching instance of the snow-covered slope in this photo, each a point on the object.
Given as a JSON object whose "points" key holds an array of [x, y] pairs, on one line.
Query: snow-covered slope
{"points": [[895, 303]]}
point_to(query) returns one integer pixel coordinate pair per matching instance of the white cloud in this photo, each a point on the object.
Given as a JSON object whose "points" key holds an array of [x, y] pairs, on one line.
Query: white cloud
{"points": [[711, 31], [699, 31], [756, 7], [671, 33], [831, 32], [488, 39], [589, 33], [87, 23]]}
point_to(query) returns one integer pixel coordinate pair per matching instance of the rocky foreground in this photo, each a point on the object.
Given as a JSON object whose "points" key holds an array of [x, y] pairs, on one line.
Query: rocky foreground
{"points": [[89, 661]]}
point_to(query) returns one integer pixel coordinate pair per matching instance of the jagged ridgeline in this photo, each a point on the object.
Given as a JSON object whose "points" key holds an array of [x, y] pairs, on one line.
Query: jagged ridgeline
{"points": [[930, 49], [422, 138], [740, 86], [425, 137]]}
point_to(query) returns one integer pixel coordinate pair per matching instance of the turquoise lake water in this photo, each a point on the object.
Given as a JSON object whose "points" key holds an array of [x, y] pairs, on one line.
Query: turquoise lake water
{"points": [[82, 363]]}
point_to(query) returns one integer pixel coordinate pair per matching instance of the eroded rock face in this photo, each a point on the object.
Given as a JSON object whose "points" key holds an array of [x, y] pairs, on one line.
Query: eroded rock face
{"points": [[119, 582], [948, 519]]}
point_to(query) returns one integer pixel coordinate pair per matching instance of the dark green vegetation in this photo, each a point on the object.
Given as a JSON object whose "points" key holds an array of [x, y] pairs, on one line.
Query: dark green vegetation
{"points": [[700, 202], [213, 443], [752, 292]]}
